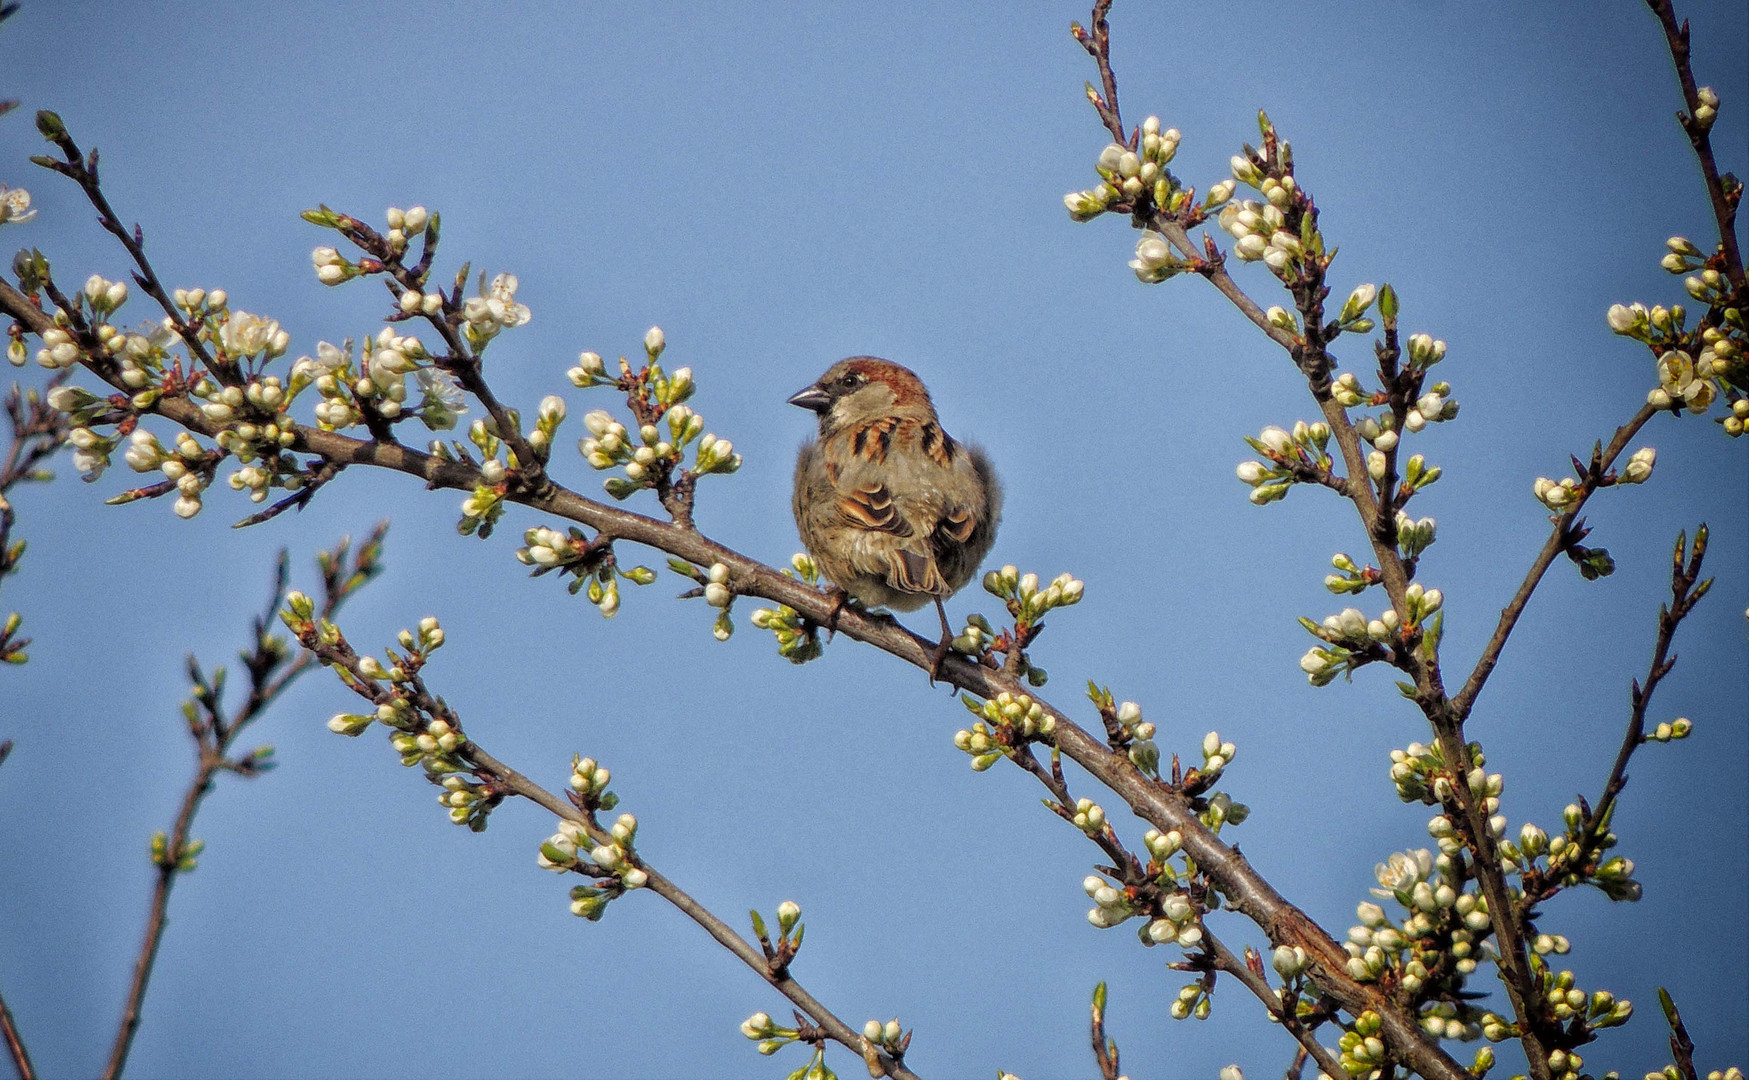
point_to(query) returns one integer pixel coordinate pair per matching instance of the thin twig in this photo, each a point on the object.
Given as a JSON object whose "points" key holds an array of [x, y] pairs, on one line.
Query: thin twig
{"points": [[1552, 548], [214, 738], [1686, 590], [15, 1044], [1225, 960], [1724, 203]]}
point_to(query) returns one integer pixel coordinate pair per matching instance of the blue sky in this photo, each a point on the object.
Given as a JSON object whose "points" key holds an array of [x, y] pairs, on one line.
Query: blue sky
{"points": [[778, 187]]}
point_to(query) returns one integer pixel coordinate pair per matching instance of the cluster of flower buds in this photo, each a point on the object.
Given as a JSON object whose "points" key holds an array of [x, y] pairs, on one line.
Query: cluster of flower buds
{"points": [[1484, 788], [1289, 457], [1089, 817], [1414, 537], [189, 466], [1289, 961], [1192, 1000], [1351, 632], [765, 1031], [91, 450], [1176, 922], [1417, 474], [1568, 1004], [547, 420], [976, 637], [717, 594], [1556, 495], [1561, 495], [572, 849], [1361, 1049], [890, 1036], [1668, 730], [1352, 318], [495, 309], [405, 224], [1134, 734], [103, 297], [330, 372], [1419, 774], [1004, 720], [485, 504], [796, 640], [1693, 367], [1111, 904], [1671, 1072], [1350, 577], [1439, 917], [1162, 846], [15, 206], [58, 351], [1222, 811], [1448, 1019], [182, 861], [649, 459], [589, 780], [1572, 856], [1154, 261], [1216, 754], [388, 359], [1260, 230], [1708, 110], [589, 565], [1026, 602], [1138, 179]]}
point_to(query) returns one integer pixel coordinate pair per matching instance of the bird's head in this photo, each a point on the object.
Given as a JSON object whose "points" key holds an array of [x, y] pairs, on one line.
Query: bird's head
{"points": [[861, 388]]}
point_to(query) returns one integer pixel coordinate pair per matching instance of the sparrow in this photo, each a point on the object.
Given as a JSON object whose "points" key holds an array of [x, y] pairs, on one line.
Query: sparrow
{"points": [[893, 510]]}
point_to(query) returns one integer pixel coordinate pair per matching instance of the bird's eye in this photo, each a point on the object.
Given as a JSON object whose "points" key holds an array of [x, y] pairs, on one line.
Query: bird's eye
{"points": [[850, 380]]}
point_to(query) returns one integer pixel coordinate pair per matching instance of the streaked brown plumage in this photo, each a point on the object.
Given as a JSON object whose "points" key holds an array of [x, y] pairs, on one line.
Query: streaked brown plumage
{"points": [[892, 509]]}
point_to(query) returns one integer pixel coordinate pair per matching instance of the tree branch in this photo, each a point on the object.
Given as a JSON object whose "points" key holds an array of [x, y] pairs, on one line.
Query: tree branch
{"points": [[214, 736], [1724, 203]]}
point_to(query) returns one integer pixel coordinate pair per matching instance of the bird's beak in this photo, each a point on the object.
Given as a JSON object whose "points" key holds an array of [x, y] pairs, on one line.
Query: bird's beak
{"points": [[812, 398]]}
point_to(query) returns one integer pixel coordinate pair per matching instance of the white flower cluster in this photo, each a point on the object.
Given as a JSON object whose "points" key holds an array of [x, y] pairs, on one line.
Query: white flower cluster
{"points": [[1283, 450], [1689, 370], [1137, 178], [1708, 110], [771, 1037], [1414, 537], [1216, 754], [494, 310], [1260, 230], [795, 642], [1690, 381], [887, 1036], [1376, 945], [1017, 715], [652, 457], [1561, 495], [1026, 601], [243, 336], [188, 467], [1349, 632], [547, 547], [565, 849]]}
